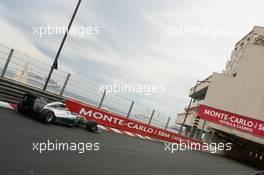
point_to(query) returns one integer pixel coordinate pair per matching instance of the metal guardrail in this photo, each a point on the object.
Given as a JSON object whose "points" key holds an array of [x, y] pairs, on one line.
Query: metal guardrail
{"points": [[12, 91], [21, 73]]}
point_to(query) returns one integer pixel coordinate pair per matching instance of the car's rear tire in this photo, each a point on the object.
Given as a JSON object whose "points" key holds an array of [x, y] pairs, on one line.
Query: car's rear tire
{"points": [[91, 126], [47, 116]]}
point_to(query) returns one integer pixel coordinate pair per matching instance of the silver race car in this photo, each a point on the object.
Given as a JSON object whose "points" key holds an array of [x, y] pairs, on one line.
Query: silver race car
{"points": [[54, 112]]}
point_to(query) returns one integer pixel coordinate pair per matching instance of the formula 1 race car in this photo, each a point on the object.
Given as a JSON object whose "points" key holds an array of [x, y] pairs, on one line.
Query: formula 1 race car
{"points": [[54, 112]]}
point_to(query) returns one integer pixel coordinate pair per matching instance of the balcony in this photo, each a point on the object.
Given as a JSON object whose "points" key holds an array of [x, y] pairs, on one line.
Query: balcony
{"points": [[201, 88]]}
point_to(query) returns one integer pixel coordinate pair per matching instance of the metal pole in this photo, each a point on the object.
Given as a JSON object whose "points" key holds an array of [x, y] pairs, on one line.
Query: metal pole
{"points": [[130, 109], [188, 109], [102, 99], [211, 136], [65, 84], [55, 63], [201, 132], [191, 134], [48, 78], [7, 63], [168, 121], [152, 114]]}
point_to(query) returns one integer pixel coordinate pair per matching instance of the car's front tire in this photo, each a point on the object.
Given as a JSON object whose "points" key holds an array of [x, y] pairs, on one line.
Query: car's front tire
{"points": [[91, 126]]}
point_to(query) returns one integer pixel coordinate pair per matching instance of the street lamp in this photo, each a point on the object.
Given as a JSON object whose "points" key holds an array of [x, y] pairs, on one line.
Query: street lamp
{"points": [[55, 63], [190, 103]]}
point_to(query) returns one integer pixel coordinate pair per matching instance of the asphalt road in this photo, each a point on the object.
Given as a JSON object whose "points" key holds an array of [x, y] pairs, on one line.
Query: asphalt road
{"points": [[118, 154]]}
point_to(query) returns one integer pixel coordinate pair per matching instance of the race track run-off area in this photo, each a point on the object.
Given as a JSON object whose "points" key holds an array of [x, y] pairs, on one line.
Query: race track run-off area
{"points": [[110, 152]]}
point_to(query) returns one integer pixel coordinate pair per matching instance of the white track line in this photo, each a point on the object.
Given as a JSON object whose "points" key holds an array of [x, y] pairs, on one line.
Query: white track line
{"points": [[116, 130], [146, 137], [103, 127], [140, 136], [129, 133], [5, 105]]}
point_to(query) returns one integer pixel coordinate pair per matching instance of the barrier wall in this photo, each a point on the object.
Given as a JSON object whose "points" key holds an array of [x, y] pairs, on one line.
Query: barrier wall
{"points": [[110, 119]]}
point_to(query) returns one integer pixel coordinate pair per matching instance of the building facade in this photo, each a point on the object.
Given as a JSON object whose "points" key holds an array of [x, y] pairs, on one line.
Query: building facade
{"points": [[239, 90]]}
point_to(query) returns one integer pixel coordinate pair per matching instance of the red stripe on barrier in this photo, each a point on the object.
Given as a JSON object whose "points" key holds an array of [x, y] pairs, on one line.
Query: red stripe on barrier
{"points": [[14, 106]]}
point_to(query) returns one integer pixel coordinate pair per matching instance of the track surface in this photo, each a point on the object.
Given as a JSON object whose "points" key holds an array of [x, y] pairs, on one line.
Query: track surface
{"points": [[118, 154]]}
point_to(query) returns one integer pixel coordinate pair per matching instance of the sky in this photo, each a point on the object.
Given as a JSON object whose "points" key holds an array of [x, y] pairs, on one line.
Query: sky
{"points": [[169, 43]]}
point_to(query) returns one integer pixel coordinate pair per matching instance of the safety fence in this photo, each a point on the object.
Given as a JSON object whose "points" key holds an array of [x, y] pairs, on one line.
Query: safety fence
{"points": [[31, 71]]}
